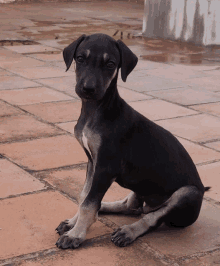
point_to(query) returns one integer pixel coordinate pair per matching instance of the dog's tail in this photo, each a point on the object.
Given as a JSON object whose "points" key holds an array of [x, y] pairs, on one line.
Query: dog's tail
{"points": [[207, 188]]}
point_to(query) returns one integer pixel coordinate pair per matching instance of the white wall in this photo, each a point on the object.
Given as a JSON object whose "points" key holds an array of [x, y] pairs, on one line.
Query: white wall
{"points": [[195, 21]]}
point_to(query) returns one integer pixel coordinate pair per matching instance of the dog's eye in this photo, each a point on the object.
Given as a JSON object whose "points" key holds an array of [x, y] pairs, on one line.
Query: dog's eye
{"points": [[110, 64], [79, 59]]}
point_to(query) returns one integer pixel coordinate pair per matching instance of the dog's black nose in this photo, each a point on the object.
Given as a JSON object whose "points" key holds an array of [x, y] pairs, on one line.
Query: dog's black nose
{"points": [[88, 90]]}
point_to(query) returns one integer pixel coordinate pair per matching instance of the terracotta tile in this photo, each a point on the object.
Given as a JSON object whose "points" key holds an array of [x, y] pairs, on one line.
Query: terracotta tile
{"points": [[66, 25], [212, 73], [209, 174], [10, 35], [55, 112], [64, 84], [7, 54], [215, 145], [201, 67], [40, 72], [202, 236], [156, 109], [22, 49], [28, 224], [18, 21], [145, 83], [146, 65], [57, 43], [206, 260], [53, 43], [186, 96], [47, 28], [20, 62], [211, 108], [199, 128], [15, 82], [22, 126], [45, 153], [140, 50], [102, 253], [5, 73], [175, 72], [7, 109], [71, 181], [208, 83], [15, 181], [32, 96], [61, 65], [121, 219], [69, 126], [198, 153], [132, 96], [47, 57]]}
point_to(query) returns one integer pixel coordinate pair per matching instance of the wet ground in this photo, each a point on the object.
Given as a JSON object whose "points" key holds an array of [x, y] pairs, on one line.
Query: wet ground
{"points": [[121, 26], [42, 166]]}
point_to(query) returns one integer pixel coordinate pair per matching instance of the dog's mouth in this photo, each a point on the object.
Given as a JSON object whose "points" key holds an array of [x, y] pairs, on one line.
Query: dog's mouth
{"points": [[92, 96], [87, 96]]}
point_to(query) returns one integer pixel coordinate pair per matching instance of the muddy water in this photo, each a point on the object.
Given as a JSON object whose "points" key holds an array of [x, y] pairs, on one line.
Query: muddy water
{"points": [[157, 50]]}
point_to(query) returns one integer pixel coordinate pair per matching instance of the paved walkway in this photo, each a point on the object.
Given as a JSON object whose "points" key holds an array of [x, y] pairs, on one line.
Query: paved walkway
{"points": [[42, 167]]}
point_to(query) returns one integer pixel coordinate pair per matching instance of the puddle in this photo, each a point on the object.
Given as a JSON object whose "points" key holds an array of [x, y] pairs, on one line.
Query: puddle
{"points": [[41, 23], [157, 50], [16, 42], [180, 53]]}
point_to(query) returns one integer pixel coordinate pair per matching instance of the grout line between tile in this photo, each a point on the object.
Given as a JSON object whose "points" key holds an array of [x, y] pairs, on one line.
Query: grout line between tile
{"points": [[197, 255]]}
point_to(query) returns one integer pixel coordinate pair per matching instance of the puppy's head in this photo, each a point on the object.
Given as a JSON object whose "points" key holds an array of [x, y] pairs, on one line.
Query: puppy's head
{"points": [[98, 58]]}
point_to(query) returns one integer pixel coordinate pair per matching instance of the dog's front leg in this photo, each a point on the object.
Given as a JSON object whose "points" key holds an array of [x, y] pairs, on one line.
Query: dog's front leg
{"points": [[97, 185], [70, 223], [74, 237]]}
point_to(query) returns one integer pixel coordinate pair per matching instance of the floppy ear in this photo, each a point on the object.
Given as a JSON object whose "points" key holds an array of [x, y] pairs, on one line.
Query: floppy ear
{"points": [[69, 51], [128, 60]]}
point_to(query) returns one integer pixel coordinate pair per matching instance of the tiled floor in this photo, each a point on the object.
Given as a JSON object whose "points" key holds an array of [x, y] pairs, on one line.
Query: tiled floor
{"points": [[40, 72], [15, 82], [15, 181], [55, 112], [45, 153], [29, 218], [42, 165], [7, 109], [32, 96], [20, 127], [26, 49], [199, 128], [184, 96], [157, 109]]}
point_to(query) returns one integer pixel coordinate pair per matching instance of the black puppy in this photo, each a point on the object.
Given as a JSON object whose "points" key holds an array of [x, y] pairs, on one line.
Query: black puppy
{"points": [[124, 146]]}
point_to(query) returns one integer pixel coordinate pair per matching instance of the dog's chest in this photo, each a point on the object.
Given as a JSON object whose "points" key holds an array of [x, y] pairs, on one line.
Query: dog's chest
{"points": [[85, 144], [89, 140]]}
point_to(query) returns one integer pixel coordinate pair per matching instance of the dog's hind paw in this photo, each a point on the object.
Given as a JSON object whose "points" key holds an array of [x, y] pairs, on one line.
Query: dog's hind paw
{"points": [[66, 241], [63, 227], [122, 237]]}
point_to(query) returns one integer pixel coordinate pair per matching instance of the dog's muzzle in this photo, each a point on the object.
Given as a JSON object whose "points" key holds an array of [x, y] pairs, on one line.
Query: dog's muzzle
{"points": [[88, 90]]}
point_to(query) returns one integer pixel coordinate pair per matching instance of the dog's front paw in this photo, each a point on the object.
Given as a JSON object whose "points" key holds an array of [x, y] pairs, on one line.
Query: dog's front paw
{"points": [[63, 227], [66, 241], [123, 236]]}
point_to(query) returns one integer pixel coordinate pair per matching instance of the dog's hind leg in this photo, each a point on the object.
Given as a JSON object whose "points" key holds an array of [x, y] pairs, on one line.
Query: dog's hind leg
{"points": [[180, 210], [132, 204]]}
